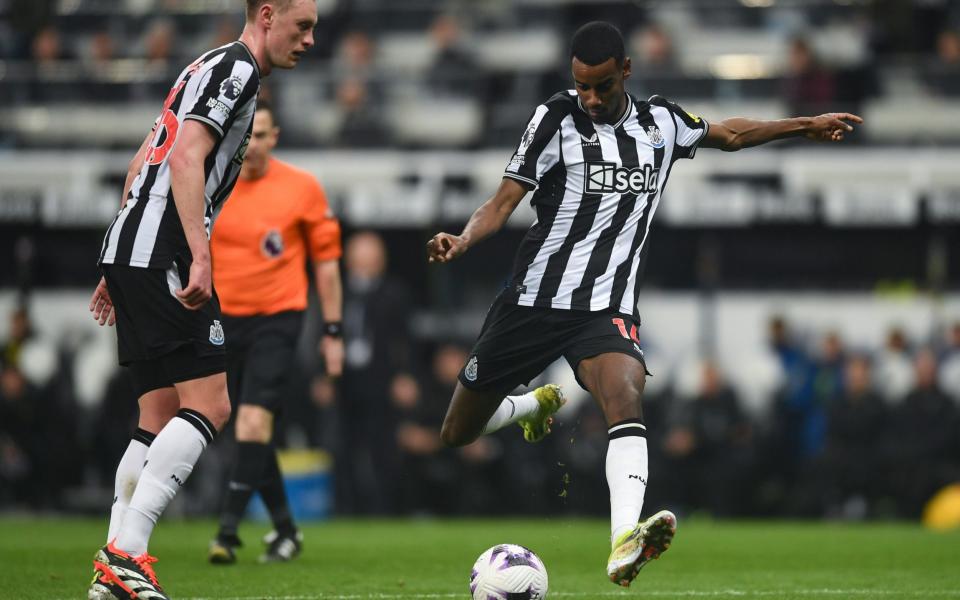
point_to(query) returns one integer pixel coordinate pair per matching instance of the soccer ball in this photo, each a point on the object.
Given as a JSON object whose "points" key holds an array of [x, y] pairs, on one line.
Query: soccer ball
{"points": [[508, 572]]}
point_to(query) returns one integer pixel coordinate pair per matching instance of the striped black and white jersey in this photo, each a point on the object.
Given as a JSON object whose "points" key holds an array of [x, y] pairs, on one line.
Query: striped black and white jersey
{"points": [[220, 90], [597, 187]]}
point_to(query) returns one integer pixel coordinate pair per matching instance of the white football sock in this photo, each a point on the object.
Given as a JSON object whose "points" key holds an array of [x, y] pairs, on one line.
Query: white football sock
{"points": [[511, 410], [128, 473], [626, 475], [170, 461]]}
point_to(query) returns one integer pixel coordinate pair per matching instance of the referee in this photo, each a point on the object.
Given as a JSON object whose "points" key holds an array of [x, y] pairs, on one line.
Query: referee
{"points": [[276, 222]]}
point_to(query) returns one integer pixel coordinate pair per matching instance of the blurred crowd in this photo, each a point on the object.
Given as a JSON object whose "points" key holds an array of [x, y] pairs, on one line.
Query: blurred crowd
{"points": [[499, 59], [850, 433]]}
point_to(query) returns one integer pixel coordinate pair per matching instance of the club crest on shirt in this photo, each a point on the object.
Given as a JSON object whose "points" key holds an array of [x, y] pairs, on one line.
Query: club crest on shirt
{"points": [[216, 333], [655, 136], [470, 371], [272, 244]]}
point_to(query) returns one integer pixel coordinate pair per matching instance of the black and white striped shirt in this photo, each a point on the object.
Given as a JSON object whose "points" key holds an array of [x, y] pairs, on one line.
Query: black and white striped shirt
{"points": [[597, 187], [219, 89]]}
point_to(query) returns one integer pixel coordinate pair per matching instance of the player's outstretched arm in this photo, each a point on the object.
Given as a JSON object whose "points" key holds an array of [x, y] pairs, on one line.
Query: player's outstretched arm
{"points": [[737, 133], [486, 220]]}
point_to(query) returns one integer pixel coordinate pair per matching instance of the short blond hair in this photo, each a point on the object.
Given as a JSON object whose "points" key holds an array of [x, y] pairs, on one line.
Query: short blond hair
{"points": [[254, 5]]}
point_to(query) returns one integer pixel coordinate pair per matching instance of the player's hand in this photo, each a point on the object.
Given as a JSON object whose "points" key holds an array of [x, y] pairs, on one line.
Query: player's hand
{"points": [[332, 350], [445, 247], [101, 305], [831, 127], [199, 290]]}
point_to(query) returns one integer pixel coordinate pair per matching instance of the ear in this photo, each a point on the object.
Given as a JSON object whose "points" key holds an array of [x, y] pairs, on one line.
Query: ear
{"points": [[266, 14], [627, 68]]}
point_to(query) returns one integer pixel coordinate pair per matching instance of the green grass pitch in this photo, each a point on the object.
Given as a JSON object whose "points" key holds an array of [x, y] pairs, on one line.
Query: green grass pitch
{"points": [[49, 559]]}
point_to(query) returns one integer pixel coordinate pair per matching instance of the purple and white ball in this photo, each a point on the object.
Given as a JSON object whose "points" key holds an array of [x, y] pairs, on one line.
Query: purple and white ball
{"points": [[508, 572]]}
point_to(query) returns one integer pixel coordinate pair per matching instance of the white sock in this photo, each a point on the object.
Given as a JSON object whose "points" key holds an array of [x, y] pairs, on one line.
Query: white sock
{"points": [[128, 473], [512, 409], [626, 474], [169, 463]]}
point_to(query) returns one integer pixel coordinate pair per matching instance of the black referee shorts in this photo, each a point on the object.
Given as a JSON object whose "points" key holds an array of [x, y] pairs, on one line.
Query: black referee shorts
{"points": [[518, 342], [160, 340], [260, 356]]}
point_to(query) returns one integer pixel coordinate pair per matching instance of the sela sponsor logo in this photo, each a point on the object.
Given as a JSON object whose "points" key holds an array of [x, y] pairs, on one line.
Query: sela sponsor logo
{"points": [[231, 88], [655, 136], [592, 141], [608, 178], [216, 333], [470, 371]]}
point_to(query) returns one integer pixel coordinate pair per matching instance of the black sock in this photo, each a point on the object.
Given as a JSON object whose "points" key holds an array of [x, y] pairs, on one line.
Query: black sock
{"points": [[247, 472], [275, 496]]}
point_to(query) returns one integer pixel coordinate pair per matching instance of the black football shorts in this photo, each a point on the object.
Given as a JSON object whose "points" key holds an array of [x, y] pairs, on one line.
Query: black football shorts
{"points": [[260, 356], [159, 339], [518, 342]]}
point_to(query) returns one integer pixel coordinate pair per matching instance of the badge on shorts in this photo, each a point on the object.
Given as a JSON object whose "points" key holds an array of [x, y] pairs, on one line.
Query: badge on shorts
{"points": [[216, 333], [470, 371]]}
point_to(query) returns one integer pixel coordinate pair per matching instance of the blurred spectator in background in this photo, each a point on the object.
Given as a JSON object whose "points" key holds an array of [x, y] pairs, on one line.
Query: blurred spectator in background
{"points": [[654, 53], [943, 76], [101, 49], [25, 446], [47, 48], [809, 87], [708, 449], [354, 56], [115, 423], [27, 17], [453, 71], [226, 30], [159, 41], [431, 471], [842, 482], [828, 382], [921, 442], [377, 366], [950, 363], [360, 122], [33, 354], [20, 332], [98, 64], [48, 51], [894, 372]]}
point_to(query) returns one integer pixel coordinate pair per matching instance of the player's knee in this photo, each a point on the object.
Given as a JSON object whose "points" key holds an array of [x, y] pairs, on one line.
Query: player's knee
{"points": [[254, 424], [220, 412], [453, 436]]}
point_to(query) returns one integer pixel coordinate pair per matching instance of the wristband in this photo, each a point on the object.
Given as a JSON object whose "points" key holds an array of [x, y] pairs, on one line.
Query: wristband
{"points": [[333, 329]]}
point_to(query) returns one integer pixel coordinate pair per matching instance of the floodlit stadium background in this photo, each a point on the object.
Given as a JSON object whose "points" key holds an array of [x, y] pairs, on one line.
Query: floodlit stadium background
{"points": [[780, 279]]}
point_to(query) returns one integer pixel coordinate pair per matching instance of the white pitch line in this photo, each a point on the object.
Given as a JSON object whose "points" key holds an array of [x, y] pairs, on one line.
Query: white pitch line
{"points": [[812, 593]]}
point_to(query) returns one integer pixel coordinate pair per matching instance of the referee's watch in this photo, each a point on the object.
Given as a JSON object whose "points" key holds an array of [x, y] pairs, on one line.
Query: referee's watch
{"points": [[333, 329]]}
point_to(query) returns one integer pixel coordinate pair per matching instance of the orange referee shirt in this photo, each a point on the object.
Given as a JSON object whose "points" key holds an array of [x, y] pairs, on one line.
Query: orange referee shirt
{"points": [[263, 237]]}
